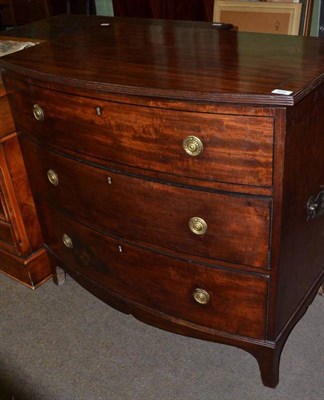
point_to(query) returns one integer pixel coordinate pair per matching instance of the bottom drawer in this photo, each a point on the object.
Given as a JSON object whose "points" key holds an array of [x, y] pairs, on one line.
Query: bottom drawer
{"points": [[235, 302]]}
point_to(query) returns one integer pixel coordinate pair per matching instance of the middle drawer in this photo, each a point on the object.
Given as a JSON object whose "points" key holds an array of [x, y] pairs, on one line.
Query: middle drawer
{"points": [[215, 226]]}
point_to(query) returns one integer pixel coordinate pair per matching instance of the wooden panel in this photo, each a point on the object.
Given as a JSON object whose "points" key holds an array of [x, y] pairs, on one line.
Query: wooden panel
{"points": [[6, 236], [12, 233], [26, 11], [3, 212], [9, 198], [237, 149], [155, 213], [302, 249], [237, 301], [6, 121], [20, 196], [31, 271]]}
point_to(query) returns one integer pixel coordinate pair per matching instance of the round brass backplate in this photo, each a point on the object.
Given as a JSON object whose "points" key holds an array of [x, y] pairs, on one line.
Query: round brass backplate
{"points": [[67, 241], [201, 296], [38, 112], [193, 146], [52, 177], [197, 225]]}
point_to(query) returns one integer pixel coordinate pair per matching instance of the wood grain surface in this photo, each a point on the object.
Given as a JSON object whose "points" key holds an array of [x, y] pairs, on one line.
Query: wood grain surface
{"points": [[178, 60]]}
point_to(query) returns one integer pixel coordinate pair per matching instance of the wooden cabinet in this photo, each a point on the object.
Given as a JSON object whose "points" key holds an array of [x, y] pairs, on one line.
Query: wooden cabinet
{"points": [[172, 182], [19, 12], [22, 254]]}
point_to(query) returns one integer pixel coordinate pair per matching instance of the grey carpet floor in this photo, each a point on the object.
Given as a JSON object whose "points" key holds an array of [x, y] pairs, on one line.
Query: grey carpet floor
{"points": [[61, 343]]}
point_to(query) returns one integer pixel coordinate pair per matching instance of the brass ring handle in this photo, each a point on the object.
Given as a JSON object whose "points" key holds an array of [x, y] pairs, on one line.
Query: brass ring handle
{"points": [[201, 296], [197, 225], [193, 146], [38, 112], [52, 177], [67, 241]]}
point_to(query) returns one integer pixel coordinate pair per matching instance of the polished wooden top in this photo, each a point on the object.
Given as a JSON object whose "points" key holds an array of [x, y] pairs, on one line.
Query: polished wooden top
{"points": [[177, 60]]}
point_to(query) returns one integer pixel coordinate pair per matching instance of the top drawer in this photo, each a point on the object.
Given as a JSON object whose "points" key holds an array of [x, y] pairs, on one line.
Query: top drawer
{"points": [[234, 149]]}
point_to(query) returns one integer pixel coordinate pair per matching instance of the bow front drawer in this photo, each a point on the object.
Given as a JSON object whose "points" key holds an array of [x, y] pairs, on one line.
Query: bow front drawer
{"points": [[217, 226], [212, 147], [222, 300]]}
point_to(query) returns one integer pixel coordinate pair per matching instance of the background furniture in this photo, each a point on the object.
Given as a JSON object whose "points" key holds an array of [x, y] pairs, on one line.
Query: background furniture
{"points": [[266, 17], [190, 195], [26, 11], [22, 254], [20, 12], [194, 10], [6, 17]]}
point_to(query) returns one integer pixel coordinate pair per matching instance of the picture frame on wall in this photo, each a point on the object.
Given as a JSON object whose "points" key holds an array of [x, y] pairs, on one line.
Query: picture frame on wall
{"points": [[257, 16]]}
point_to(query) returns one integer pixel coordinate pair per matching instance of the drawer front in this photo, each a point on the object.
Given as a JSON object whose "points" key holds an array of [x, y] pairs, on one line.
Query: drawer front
{"points": [[236, 303], [154, 213], [235, 149]]}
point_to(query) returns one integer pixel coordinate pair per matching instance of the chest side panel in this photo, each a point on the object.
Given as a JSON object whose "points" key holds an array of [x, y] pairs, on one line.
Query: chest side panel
{"points": [[302, 239]]}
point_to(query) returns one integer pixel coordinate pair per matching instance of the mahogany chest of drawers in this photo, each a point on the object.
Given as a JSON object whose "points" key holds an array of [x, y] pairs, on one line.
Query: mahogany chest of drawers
{"points": [[172, 182]]}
